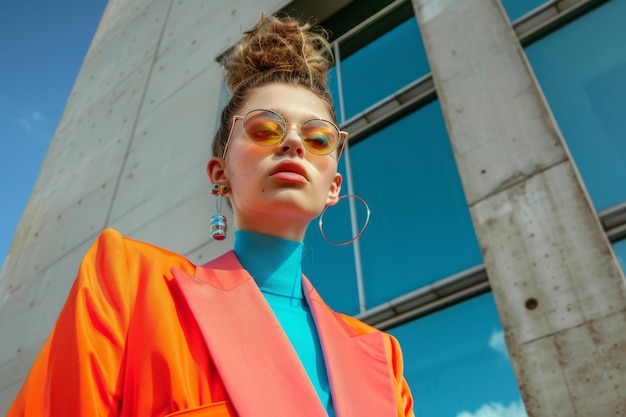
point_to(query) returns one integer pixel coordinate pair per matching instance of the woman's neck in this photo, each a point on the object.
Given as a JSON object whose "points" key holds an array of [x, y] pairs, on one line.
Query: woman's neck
{"points": [[274, 263], [281, 224]]}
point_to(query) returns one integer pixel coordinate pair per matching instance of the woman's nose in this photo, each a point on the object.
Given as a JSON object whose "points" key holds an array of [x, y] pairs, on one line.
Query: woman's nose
{"points": [[292, 140]]}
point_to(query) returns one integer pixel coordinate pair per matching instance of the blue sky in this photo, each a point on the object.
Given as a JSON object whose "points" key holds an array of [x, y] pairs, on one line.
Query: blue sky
{"points": [[42, 47]]}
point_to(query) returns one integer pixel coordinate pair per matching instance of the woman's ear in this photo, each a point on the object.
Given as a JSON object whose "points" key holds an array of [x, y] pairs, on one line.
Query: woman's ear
{"points": [[216, 170], [335, 189]]}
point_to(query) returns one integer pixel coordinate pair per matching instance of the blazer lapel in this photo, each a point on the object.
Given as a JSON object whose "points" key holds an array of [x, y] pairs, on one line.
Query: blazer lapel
{"points": [[358, 367], [245, 340]]}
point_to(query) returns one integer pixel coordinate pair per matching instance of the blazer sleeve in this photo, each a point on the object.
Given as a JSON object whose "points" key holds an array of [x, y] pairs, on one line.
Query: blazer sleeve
{"points": [[79, 371], [404, 399]]}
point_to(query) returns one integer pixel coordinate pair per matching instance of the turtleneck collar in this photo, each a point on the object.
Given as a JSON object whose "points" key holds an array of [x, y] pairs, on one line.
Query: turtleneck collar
{"points": [[274, 263]]}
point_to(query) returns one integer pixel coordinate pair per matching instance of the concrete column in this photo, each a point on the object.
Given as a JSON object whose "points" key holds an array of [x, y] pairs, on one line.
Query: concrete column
{"points": [[558, 287]]}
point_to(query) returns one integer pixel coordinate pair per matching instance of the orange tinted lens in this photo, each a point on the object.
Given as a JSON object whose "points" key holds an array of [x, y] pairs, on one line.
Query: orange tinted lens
{"points": [[319, 136], [264, 128]]}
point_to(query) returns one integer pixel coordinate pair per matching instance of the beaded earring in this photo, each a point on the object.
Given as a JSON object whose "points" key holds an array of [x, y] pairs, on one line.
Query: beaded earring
{"points": [[217, 227]]}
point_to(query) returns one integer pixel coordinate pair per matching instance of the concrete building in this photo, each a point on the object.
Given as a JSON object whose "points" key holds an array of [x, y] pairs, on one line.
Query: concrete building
{"points": [[488, 138]]}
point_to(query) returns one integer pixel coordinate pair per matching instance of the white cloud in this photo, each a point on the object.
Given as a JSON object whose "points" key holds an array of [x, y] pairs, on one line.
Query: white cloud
{"points": [[28, 127], [37, 116], [35, 123], [515, 409], [497, 343]]}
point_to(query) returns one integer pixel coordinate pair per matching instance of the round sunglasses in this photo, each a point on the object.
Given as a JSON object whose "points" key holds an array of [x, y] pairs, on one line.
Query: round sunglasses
{"points": [[268, 128]]}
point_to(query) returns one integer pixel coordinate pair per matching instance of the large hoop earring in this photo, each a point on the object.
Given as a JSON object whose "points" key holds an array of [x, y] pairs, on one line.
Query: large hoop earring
{"points": [[367, 220]]}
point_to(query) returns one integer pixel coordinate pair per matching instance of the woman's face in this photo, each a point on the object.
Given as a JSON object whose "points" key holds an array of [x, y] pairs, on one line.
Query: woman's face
{"points": [[278, 189]]}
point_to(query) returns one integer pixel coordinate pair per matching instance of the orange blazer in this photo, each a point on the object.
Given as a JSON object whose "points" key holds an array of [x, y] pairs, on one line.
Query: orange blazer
{"points": [[144, 332]]}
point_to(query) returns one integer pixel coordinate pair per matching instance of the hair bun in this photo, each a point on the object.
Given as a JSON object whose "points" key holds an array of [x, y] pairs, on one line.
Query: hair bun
{"points": [[279, 44]]}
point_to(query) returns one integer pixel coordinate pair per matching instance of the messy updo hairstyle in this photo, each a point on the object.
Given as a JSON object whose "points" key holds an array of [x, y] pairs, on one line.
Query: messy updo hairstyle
{"points": [[279, 49]]}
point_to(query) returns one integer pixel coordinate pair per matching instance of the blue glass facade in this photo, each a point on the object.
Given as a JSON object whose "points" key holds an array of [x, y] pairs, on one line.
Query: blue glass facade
{"points": [[407, 173], [582, 71], [382, 67], [457, 361], [421, 232], [340, 289]]}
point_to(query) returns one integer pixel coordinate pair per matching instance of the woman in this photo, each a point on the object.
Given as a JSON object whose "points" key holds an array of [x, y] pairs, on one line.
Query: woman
{"points": [[146, 333]]}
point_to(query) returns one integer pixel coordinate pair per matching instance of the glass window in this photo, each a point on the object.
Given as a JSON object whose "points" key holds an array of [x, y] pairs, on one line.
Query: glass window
{"points": [[334, 91], [518, 8], [457, 364], [420, 230], [382, 67], [582, 71], [331, 268]]}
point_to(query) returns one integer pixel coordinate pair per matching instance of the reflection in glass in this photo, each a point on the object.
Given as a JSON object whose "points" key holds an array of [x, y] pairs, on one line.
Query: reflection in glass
{"points": [[582, 71], [457, 364], [420, 230]]}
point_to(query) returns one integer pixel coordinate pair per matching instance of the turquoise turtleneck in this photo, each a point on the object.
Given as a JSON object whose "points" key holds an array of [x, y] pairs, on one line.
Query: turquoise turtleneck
{"points": [[276, 266]]}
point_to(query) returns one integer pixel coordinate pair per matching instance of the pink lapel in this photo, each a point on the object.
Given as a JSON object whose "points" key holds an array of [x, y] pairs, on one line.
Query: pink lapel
{"points": [[246, 342], [358, 367], [245, 339]]}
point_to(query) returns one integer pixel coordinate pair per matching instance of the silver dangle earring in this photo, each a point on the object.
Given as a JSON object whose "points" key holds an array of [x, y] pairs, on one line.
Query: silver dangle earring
{"points": [[217, 228], [367, 220]]}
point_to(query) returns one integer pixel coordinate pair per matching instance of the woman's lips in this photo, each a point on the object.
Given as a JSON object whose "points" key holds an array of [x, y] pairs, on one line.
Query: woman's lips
{"points": [[289, 171]]}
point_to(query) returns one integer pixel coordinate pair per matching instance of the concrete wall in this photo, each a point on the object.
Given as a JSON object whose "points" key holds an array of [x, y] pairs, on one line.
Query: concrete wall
{"points": [[129, 153]]}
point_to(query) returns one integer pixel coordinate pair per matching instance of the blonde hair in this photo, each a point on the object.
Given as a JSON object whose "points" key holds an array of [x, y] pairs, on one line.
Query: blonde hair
{"points": [[279, 49]]}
